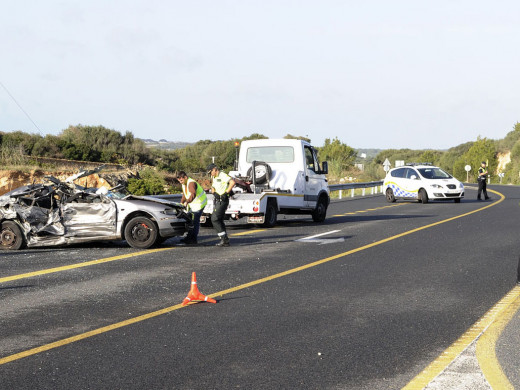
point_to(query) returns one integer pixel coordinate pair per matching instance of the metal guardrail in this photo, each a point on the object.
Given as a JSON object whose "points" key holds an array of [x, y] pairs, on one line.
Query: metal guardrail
{"points": [[373, 185]]}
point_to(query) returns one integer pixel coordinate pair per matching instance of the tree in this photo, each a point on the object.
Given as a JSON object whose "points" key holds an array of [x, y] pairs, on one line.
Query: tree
{"points": [[290, 136], [149, 183], [340, 156], [429, 156], [482, 150]]}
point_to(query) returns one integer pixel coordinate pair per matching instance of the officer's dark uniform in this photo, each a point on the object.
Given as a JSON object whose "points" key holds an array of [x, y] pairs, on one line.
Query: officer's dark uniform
{"points": [[482, 177], [220, 184]]}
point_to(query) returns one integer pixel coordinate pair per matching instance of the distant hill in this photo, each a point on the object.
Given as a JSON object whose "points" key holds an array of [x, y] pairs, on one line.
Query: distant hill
{"points": [[164, 144]]}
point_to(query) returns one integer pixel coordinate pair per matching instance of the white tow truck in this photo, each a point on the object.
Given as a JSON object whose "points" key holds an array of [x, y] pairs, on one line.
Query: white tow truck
{"points": [[276, 176]]}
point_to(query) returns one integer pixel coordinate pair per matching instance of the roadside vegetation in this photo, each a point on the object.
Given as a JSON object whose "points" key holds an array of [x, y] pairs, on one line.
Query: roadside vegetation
{"points": [[156, 167]]}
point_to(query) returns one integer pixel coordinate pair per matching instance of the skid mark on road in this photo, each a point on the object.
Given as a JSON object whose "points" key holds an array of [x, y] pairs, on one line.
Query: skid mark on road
{"points": [[438, 367]]}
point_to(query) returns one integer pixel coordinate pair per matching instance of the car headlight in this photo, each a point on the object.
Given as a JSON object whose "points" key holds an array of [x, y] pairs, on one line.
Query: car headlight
{"points": [[461, 185], [436, 186], [169, 212]]}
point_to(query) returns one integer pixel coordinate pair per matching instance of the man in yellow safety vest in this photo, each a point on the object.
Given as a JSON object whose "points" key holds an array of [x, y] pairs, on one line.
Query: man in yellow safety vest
{"points": [[194, 199]]}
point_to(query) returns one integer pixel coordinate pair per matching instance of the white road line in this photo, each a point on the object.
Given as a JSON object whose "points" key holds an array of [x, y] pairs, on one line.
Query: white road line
{"points": [[318, 235]]}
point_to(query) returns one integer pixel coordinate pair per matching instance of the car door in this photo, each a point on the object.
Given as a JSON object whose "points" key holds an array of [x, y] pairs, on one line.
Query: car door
{"points": [[413, 182], [89, 216], [314, 180]]}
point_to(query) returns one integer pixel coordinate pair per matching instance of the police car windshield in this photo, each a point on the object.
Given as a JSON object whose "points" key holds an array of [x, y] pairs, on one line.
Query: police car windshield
{"points": [[433, 173]]}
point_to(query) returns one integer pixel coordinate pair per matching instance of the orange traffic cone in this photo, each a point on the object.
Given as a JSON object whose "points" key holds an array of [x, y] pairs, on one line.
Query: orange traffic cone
{"points": [[195, 294]]}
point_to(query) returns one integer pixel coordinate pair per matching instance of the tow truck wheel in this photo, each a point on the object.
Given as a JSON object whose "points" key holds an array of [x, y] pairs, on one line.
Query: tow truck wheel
{"points": [[271, 215], [320, 212], [141, 233], [11, 236]]}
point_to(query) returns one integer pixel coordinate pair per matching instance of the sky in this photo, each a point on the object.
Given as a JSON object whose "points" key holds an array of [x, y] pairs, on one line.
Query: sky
{"points": [[375, 74]]}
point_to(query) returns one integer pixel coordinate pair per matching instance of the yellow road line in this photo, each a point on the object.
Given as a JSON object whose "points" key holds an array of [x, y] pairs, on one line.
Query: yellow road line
{"points": [[80, 265], [134, 320], [455, 349], [248, 232], [86, 335], [364, 211], [443, 361], [486, 354], [98, 261]]}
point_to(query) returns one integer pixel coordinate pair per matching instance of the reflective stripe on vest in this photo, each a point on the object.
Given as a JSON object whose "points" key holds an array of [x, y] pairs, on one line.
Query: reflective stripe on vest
{"points": [[200, 200]]}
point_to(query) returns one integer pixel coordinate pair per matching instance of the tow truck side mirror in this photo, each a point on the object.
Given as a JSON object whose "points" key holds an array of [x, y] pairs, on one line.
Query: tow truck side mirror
{"points": [[324, 168]]}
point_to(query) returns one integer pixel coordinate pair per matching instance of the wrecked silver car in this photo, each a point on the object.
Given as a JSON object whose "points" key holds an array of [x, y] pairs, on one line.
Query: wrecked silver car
{"points": [[61, 213]]}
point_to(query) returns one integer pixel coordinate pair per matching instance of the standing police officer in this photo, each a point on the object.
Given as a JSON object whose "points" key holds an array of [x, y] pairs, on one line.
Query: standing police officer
{"points": [[482, 177], [193, 198], [221, 187]]}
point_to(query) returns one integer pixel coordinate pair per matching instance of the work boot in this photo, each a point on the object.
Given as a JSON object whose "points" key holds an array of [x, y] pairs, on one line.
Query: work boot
{"points": [[188, 241], [224, 241]]}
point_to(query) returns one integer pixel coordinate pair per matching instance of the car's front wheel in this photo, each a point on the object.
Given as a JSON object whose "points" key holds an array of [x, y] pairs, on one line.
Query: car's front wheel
{"points": [[141, 233], [423, 196], [11, 236], [390, 198]]}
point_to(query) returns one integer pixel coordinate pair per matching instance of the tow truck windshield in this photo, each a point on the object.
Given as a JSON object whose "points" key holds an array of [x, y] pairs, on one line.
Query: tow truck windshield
{"points": [[270, 154]]}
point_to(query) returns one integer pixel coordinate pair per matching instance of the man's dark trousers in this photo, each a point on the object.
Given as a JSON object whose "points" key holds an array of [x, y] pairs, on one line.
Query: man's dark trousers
{"points": [[482, 188], [217, 217]]}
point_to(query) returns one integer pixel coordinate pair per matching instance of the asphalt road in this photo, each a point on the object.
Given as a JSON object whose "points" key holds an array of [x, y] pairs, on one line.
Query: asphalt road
{"points": [[365, 300]]}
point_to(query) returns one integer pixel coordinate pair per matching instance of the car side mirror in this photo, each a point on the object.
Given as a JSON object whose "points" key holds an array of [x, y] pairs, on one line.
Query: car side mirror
{"points": [[413, 177]]}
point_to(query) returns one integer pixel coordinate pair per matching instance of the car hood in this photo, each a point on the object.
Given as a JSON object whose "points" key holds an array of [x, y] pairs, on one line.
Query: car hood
{"points": [[151, 198]]}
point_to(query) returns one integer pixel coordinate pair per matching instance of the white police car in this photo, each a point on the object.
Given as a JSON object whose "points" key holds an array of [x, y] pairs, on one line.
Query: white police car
{"points": [[422, 182]]}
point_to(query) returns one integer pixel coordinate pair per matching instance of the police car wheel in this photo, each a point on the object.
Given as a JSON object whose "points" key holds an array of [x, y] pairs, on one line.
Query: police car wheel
{"points": [[423, 196], [390, 198]]}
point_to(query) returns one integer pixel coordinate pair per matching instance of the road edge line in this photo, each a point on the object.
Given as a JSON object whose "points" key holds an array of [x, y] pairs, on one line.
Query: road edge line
{"points": [[486, 345]]}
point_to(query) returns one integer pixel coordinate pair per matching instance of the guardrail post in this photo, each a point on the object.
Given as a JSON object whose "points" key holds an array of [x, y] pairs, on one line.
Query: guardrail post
{"points": [[352, 192], [363, 192], [340, 194]]}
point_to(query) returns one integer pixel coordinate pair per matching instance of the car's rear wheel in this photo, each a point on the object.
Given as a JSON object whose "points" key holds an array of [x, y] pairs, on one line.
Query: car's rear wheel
{"points": [[423, 196], [141, 233], [390, 198], [11, 236]]}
